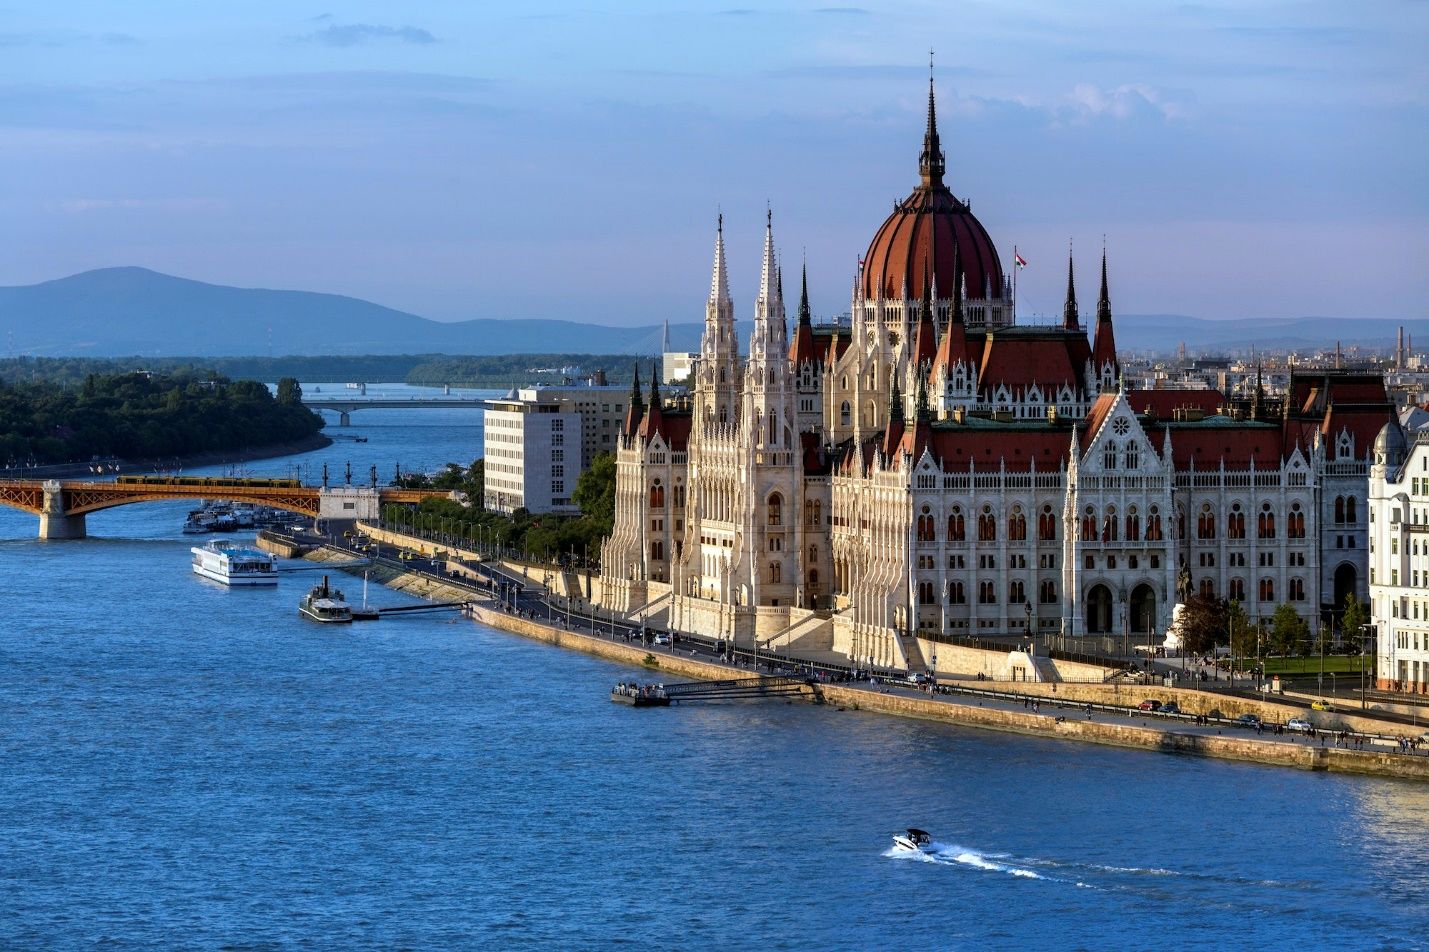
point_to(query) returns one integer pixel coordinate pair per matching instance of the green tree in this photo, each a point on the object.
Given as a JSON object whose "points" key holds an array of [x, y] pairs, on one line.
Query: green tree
{"points": [[1288, 631], [290, 392], [595, 491], [1352, 624], [1203, 624], [1244, 635]]}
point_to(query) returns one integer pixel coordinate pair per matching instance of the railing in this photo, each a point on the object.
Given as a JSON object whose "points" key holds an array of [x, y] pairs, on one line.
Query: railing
{"points": [[1043, 643]]}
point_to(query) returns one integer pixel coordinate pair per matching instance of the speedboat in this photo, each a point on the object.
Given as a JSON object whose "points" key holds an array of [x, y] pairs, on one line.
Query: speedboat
{"points": [[913, 841], [326, 605]]}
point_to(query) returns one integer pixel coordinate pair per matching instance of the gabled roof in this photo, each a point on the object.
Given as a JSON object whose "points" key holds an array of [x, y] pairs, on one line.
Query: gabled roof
{"points": [[1018, 358], [1163, 404]]}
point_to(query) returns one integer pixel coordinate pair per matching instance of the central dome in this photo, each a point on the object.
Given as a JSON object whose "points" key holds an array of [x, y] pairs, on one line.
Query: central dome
{"points": [[924, 232]]}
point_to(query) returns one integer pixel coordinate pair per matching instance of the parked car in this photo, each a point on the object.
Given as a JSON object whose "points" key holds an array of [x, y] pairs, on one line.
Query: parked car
{"points": [[1149, 705], [1170, 707], [1298, 724], [1322, 706], [917, 677], [1248, 720], [662, 638]]}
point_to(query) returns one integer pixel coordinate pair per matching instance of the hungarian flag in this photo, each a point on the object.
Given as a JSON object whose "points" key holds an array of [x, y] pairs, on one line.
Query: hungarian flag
{"points": [[1021, 261]]}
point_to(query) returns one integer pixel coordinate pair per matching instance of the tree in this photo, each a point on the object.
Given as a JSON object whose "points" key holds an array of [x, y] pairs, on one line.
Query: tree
{"points": [[290, 392], [595, 491], [1203, 624], [1244, 636], [1352, 624], [1288, 631]]}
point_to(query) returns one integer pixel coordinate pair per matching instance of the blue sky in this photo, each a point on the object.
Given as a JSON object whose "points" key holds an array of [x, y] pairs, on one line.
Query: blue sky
{"points": [[566, 159]]}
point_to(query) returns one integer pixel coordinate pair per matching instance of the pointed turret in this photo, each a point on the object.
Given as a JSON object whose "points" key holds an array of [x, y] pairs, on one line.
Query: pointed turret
{"points": [[802, 349], [636, 410], [925, 342], [953, 348], [1104, 343], [931, 163], [770, 336], [893, 435], [1071, 319], [719, 279], [895, 404], [653, 414]]}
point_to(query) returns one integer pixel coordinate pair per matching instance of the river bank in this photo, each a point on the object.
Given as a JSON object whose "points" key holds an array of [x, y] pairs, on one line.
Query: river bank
{"points": [[1059, 722], [177, 465]]}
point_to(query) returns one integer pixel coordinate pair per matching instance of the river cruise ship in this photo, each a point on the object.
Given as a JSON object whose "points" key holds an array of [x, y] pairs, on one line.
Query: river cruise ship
{"points": [[234, 564]]}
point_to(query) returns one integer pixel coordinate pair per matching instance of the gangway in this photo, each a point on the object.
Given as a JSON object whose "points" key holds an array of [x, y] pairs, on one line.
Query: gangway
{"points": [[737, 688]]}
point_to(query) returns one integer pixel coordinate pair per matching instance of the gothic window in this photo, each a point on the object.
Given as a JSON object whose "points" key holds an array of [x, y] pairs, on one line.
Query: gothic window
{"points": [[1153, 525], [773, 426], [1016, 594], [657, 551], [818, 513], [1121, 426], [1047, 525], [1295, 523], [813, 578], [1109, 456], [1017, 525], [1339, 509], [1267, 590], [925, 527], [1133, 454], [1208, 588], [776, 510], [776, 544], [1265, 522], [776, 572], [987, 592], [1180, 523], [1297, 589], [844, 414], [956, 595], [1047, 592], [679, 497], [813, 555], [1236, 591], [1235, 523], [723, 410], [1133, 524], [986, 526], [1350, 514], [957, 530], [657, 495], [1089, 525], [1109, 527]]}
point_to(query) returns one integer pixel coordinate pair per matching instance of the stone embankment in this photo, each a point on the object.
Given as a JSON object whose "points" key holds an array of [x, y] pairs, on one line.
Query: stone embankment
{"points": [[940, 708]]}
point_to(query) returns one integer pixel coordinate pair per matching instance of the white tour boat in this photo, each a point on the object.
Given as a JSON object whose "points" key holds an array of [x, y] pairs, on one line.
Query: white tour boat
{"points": [[913, 841], [234, 564], [325, 604]]}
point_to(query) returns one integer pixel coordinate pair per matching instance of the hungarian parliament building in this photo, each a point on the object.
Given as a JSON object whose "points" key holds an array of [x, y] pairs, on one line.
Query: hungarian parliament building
{"points": [[930, 468]]}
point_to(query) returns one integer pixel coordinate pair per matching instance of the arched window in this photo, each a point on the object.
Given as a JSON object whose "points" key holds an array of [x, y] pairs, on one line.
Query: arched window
{"points": [[1047, 525], [925, 526], [925, 593], [1350, 514], [986, 592], [1109, 527], [776, 572], [679, 492], [776, 510], [818, 513], [813, 578], [1236, 590], [1017, 525], [1016, 594], [1339, 509], [1047, 592], [1265, 522], [845, 414], [773, 421], [1235, 523], [1153, 525], [1109, 456], [657, 495], [1089, 525], [657, 551], [986, 525], [1133, 455], [1297, 589], [1206, 523], [1295, 522], [1133, 524], [956, 594], [957, 528], [1208, 587], [1267, 589]]}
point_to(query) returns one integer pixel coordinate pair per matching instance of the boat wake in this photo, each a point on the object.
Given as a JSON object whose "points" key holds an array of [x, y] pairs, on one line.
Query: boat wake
{"points": [[950, 854]]}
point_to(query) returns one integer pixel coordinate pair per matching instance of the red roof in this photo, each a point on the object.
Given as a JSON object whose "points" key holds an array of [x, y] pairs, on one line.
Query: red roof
{"points": [[1047, 357], [989, 449], [673, 426], [919, 237], [1237, 444], [1164, 403]]}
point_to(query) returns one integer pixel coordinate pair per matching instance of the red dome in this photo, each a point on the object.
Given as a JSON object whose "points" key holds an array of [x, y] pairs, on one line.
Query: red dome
{"points": [[922, 233]]}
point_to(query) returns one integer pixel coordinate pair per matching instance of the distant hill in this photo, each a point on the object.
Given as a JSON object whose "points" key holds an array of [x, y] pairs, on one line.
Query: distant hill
{"points": [[135, 311]]}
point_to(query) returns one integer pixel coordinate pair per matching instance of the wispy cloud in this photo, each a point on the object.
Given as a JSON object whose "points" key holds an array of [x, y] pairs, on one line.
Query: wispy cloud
{"points": [[354, 34], [1122, 102]]}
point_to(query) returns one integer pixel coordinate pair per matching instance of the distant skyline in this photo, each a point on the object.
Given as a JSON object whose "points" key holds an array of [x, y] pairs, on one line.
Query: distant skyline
{"points": [[1242, 159]]}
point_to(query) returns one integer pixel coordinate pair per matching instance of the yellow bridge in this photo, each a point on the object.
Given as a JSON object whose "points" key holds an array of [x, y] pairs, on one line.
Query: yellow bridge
{"points": [[62, 505]]}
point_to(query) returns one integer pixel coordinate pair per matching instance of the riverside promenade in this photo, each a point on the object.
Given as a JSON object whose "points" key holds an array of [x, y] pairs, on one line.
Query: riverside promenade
{"points": [[1035, 714]]}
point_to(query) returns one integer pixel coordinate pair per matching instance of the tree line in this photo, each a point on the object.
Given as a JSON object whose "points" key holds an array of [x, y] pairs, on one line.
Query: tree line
{"points": [[1208, 622]]}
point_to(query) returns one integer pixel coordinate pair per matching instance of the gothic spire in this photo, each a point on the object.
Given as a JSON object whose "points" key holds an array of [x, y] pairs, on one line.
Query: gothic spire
{"points": [[956, 314], [637, 399], [1104, 341], [931, 164], [654, 385], [804, 316], [719, 280], [1071, 320], [1104, 301], [924, 414], [895, 404], [768, 276]]}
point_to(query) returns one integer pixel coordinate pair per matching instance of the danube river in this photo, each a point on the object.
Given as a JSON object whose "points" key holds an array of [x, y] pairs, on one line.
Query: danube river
{"points": [[190, 766]]}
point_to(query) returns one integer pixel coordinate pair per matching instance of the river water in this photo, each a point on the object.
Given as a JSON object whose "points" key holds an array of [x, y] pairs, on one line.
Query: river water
{"points": [[190, 766]]}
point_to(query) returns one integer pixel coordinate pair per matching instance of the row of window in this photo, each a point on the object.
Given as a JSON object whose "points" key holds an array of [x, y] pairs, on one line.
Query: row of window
{"points": [[1235, 589], [987, 592]]}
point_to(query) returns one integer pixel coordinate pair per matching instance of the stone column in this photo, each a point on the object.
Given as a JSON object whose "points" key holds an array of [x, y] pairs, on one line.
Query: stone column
{"points": [[54, 523]]}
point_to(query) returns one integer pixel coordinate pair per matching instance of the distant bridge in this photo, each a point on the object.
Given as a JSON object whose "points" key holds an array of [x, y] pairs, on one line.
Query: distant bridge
{"points": [[62, 506], [345, 406]]}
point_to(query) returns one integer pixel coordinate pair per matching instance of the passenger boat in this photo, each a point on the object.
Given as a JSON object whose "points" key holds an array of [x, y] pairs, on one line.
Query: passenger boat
{"points": [[325, 604], [234, 564], [649, 695], [913, 841]]}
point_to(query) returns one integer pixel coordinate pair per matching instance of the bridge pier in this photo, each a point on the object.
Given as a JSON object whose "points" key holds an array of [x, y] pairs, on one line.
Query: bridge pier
{"points": [[343, 418], [54, 522]]}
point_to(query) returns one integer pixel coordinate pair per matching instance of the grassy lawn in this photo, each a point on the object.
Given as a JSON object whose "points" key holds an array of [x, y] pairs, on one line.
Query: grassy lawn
{"points": [[1339, 664]]}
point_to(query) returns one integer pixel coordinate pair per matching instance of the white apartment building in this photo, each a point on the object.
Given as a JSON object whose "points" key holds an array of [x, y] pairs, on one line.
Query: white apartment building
{"points": [[1399, 560]]}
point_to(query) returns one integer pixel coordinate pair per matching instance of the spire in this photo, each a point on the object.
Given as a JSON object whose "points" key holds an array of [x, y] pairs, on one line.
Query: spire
{"points": [[956, 314], [636, 397], [804, 316], [924, 415], [1071, 320], [1104, 341], [636, 411], [925, 344], [931, 164], [768, 275], [653, 415], [1104, 301], [654, 385], [895, 404], [719, 280]]}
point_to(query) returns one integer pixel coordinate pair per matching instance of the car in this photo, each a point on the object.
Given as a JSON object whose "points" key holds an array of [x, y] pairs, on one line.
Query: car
{"points": [[1149, 705], [662, 638], [1322, 706], [1248, 720], [916, 677], [1298, 724], [1170, 707]]}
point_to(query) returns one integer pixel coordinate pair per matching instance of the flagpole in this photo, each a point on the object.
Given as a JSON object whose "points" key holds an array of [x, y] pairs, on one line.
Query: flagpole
{"points": [[1015, 269]]}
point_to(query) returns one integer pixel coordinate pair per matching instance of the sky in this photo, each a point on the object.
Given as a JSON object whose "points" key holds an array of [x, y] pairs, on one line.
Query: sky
{"points": [[1242, 159]]}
